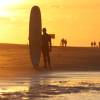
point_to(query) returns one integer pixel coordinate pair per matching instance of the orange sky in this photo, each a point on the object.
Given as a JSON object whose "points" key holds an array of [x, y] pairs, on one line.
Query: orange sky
{"points": [[76, 20]]}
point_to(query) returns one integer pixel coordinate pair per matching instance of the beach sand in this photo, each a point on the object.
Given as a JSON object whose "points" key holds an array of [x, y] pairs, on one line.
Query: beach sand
{"points": [[15, 59], [76, 58], [66, 81]]}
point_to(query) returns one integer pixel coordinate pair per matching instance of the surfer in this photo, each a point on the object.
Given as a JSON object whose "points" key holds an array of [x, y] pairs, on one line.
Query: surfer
{"points": [[46, 48]]}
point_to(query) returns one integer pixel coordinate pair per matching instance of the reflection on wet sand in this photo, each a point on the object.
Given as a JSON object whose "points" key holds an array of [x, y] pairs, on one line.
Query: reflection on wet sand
{"points": [[51, 86]]}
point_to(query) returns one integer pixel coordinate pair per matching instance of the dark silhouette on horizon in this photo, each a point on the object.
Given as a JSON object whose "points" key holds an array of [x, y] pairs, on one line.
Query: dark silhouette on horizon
{"points": [[94, 44], [46, 48], [63, 42], [99, 44], [91, 44]]}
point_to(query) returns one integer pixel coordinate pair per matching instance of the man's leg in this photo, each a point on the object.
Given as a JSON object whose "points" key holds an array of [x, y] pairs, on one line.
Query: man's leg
{"points": [[49, 61], [44, 59]]}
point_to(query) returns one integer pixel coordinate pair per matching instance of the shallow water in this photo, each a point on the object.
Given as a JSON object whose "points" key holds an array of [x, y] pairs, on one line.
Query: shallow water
{"points": [[52, 86]]}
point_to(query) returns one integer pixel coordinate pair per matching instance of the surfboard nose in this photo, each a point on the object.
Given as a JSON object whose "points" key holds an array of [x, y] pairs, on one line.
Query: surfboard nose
{"points": [[35, 9]]}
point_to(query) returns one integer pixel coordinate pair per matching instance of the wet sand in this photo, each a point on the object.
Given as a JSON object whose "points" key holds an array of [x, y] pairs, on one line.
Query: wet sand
{"points": [[17, 72], [20, 81], [52, 86]]}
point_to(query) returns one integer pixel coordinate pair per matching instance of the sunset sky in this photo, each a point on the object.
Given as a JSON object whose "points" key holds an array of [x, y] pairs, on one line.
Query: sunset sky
{"points": [[76, 20]]}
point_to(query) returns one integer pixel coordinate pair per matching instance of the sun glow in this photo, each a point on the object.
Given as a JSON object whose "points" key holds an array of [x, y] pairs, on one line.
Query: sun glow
{"points": [[7, 3], [76, 20]]}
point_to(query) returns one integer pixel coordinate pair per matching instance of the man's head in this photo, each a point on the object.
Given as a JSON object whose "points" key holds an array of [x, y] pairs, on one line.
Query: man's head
{"points": [[44, 30]]}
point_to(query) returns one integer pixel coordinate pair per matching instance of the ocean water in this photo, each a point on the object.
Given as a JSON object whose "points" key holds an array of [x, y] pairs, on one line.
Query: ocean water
{"points": [[52, 86]]}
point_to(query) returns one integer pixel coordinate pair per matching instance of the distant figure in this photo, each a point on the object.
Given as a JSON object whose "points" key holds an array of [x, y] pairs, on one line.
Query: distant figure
{"points": [[99, 44], [91, 44], [46, 48], [65, 43], [94, 44], [62, 42]]}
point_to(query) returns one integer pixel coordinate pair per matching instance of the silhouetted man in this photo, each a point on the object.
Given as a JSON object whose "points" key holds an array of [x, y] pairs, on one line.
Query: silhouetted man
{"points": [[46, 48]]}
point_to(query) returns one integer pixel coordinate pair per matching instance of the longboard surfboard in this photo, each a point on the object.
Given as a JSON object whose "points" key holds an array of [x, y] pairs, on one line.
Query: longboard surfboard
{"points": [[35, 27]]}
